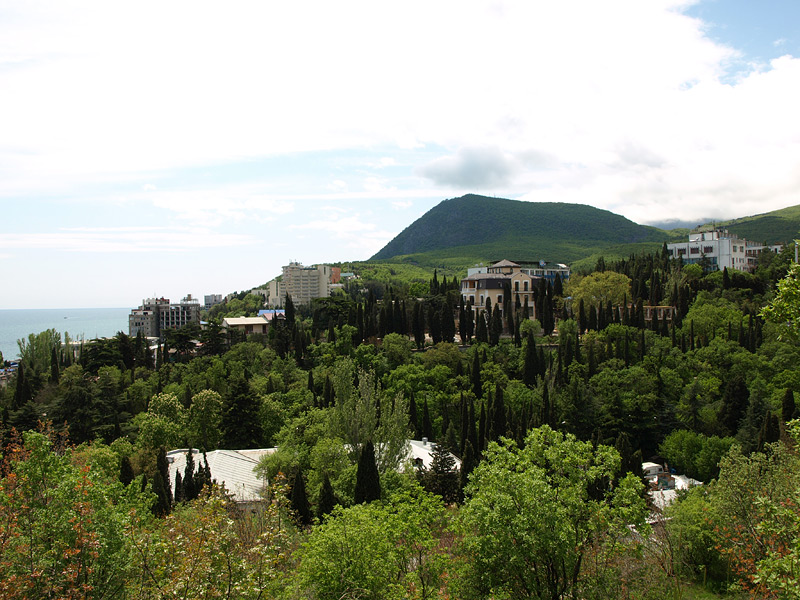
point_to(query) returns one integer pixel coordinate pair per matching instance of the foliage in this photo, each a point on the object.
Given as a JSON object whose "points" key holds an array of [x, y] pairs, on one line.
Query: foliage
{"points": [[375, 550], [784, 309], [534, 513], [64, 532]]}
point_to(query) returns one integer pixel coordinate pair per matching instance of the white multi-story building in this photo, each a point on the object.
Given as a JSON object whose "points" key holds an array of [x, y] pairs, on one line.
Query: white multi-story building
{"points": [[157, 314], [720, 249]]}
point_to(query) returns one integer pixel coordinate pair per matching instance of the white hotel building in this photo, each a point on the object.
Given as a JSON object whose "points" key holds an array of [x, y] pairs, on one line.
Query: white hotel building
{"points": [[722, 249]]}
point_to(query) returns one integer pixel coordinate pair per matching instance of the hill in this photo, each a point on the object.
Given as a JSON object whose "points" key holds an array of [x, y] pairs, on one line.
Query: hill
{"points": [[776, 227], [473, 228]]}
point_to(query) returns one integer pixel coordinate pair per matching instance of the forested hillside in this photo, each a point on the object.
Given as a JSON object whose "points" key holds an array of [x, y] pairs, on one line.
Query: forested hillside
{"points": [[480, 227], [550, 407]]}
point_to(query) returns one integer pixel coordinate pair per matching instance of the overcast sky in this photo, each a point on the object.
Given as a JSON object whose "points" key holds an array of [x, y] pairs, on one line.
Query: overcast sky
{"points": [[165, 148]]}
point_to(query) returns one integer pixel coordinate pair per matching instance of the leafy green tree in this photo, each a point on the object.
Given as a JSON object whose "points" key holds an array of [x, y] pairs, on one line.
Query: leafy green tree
{"points": [[533, 514], [375, 551], [205, 420], [599, 287], [64, 528], [784, 309]]}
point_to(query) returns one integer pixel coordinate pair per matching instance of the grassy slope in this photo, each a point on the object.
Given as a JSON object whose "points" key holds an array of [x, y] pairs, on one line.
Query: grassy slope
{"points": [[775, 227], [462, 232]]}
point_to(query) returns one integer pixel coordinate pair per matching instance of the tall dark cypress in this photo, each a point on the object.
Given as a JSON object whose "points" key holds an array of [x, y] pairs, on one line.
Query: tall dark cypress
{"points": [[499, 421], [529, 365], [448, 324], [190, 491], [327, 499], [482, 429], [413, 418], [368, 483], [788, 407], [477, 386], [496, 327], [427, 426], [299, 501]]}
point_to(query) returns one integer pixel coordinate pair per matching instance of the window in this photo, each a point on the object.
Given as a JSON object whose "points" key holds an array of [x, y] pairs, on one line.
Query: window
{"points": [[525, 286], [694, 250], [499, 298], [710, 249], [516, 286], [681, 251]]}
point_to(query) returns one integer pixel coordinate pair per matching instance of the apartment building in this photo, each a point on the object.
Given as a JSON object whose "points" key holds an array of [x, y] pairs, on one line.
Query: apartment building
{"points": [[720, 249], [302, 284], [158, 314]]}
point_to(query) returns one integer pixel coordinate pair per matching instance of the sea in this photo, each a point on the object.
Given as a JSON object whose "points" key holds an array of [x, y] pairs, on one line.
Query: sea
{"points": [[80, 323]]}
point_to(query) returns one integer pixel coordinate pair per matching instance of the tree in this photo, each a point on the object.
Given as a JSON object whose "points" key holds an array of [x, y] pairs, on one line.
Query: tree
{"points": [[241, 427], [205, 419], [375, 551], [442, 478], [599, 288], [368, 483], [532, 514], [327, 498], [299, 500], [784, 309]]}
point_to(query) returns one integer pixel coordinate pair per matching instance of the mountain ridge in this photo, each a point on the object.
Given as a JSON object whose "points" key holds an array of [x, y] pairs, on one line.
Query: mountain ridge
{"points": [[470, 228]]}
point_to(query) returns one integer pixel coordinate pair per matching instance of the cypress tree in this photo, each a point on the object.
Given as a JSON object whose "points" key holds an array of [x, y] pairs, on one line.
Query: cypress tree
{"points": [[482, 333], [482, 429], [734, 404], [413, 419], [499, 421], [368, 484], [472, 436], [467, 464], [327, 499], [788, 408], [54, 373], [179, 488], [448, 324], [477, 386], [427, 426], [126, 475], [496, 326], [529, 365], [163, 504], [190, 491], [299, 501], [583, 322]]}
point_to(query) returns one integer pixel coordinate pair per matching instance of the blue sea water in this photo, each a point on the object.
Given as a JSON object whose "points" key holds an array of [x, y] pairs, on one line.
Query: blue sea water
{"points": [[80, 323]]}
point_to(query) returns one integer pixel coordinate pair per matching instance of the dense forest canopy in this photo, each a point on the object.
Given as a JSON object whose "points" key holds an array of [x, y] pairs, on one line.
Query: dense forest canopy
{"points": [[549, 417]]}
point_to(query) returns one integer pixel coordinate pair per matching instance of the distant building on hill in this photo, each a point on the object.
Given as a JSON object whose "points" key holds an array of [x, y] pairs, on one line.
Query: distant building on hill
{"points": [[490, 283], [302, 284], [719, 249], [158, 314], [210, 300]]}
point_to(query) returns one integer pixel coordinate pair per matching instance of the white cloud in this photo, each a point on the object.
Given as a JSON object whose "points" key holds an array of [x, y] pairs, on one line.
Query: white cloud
{"points": [[623, 104], [122, 240], [402, 205]]}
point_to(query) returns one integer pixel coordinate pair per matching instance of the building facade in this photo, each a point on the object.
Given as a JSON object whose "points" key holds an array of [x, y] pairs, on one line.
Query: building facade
{"points": [[519, 279], [302, 284], [158, 314], [719, 249]]}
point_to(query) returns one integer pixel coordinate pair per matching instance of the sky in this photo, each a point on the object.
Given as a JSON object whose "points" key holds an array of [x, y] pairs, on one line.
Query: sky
{"points": [[173, 148]]}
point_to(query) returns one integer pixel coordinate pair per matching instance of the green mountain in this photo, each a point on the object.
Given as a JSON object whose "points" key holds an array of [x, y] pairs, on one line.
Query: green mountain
{"points": [[461, 231], [776, 227]]}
